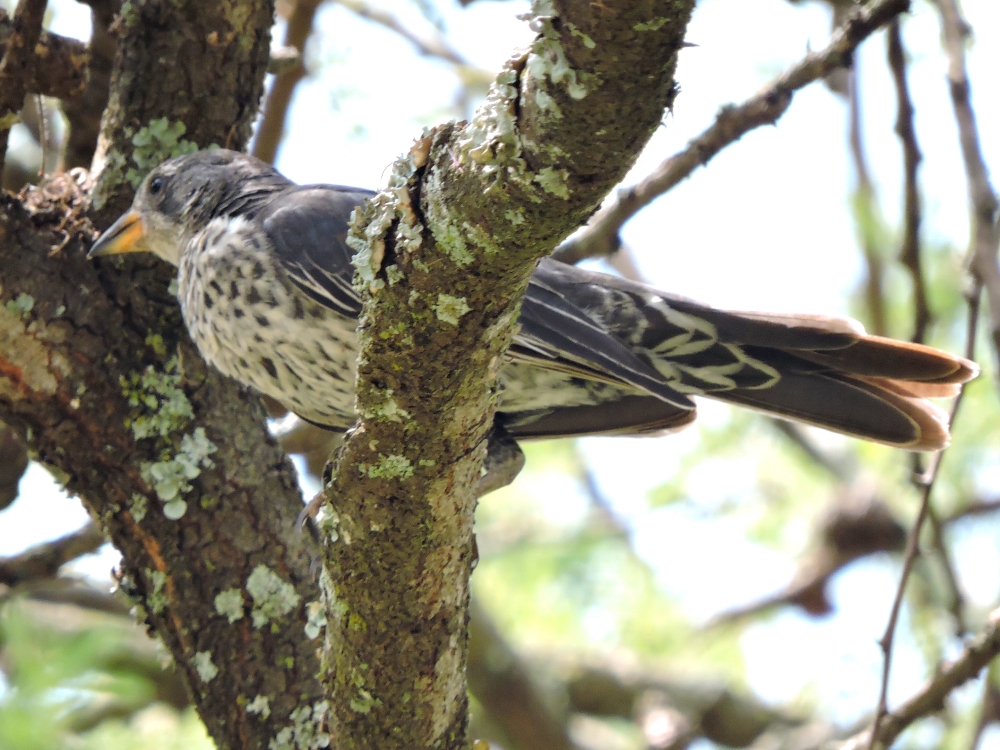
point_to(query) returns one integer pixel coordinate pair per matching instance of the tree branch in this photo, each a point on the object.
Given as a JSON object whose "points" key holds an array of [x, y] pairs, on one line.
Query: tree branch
{"points": [[910, 249], [445, 255], [272, 125], [61, 63], [17, 67], [600, 237], [45, 560], [985, 234], [976, 655]]}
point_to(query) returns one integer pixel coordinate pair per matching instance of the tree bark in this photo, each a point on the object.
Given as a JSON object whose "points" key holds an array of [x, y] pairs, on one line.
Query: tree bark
{"points": [[445, 254], [97, 373]]}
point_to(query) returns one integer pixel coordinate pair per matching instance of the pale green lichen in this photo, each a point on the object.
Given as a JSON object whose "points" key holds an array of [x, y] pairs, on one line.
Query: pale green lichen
{"points": [[172, 477], [203, 665], [587, 41], [389, 467], [361, 702], [554, 181], [260, 706], [229, 604], [426, 462], [272, 596], [548, 59], [450, 309], [163, 407], [129, 13], [316, 619], [389, 410], [393, 274], [515, 217], [655, 25], [365, 237], [159, 141], [158, 599], [22, 306], [137, 507], [308, 730]]}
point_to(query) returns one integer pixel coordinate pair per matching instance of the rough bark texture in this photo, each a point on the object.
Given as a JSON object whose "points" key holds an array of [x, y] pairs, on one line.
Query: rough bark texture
{"points": [[86, 375], [445, 255]]}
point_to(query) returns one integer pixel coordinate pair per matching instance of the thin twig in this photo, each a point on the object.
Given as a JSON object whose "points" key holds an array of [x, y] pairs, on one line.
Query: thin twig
{"points": [[975, 508], [976, 655], [17, 68], [909, 254], [985, 233], [272, 125], [600, 237], [913, 542], [956, 599], [866, 211]]}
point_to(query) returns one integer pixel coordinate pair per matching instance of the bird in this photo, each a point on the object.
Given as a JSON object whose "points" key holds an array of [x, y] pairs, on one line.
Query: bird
{"points": [[265, 284]]}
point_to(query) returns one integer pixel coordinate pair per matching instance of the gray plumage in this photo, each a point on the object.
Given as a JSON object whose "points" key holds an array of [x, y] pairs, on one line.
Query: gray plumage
{"points": [[264, 279]]}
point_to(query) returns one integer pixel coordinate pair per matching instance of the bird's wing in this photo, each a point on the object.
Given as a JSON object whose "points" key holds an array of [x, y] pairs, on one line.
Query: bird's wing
{"points": [[308, 228]]}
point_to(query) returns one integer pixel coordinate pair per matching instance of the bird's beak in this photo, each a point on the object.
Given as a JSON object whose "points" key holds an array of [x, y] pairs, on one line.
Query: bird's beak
{"points": [[121, 237]]}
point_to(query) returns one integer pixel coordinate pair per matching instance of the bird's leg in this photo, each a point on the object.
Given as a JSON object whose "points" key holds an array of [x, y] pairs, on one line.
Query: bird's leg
{"points": [[504, 461]]}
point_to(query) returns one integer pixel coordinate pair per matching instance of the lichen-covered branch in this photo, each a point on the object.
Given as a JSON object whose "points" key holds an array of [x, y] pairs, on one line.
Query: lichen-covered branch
{"points": [[172, 460], [444, 255], [601, 238]]}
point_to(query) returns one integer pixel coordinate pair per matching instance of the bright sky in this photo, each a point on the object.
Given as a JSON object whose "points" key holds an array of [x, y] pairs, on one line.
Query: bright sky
{"points": [[764, 227]]}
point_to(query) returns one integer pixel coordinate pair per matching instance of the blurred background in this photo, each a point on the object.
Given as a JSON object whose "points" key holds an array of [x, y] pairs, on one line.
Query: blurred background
{"points": [[725, 586]]}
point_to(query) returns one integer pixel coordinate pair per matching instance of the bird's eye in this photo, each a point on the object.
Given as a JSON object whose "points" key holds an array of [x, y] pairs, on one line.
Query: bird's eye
{"points": [[155, 185]]}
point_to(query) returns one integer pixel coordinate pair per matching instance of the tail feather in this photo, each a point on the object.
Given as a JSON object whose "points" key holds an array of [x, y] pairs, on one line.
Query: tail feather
{"points": [[815, 369], [852, 407]]}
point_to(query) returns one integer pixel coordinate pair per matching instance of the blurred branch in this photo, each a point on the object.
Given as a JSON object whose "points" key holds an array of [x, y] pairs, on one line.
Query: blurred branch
{"points": [[429, 45], [45, 560], [600, 236], [17, 67], [956, 599], [500, 682], [708, 709], [426, 45], [854, 527], [835, 465], [989, 708], [83, 111], [976, 655], [910, 251], [13, 462], [866, 211], [913, 543], [985, 231], [272, 126], [61, 63], [975, 508]]}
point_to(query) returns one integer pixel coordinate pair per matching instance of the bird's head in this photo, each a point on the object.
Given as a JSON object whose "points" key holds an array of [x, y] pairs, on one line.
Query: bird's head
{"points": [[182, 195]]}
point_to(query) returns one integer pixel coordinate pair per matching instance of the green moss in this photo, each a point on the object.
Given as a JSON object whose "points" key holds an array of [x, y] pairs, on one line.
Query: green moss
{"points": [[137, 507]]}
